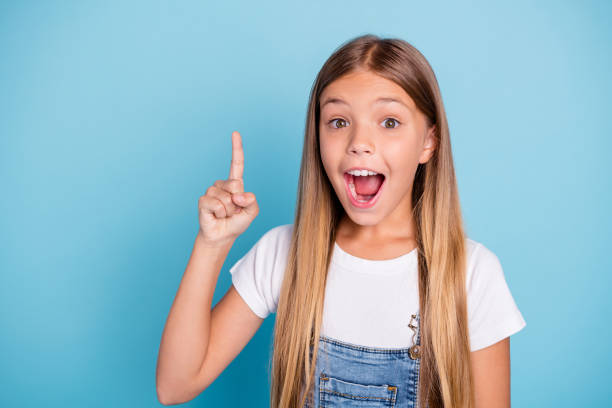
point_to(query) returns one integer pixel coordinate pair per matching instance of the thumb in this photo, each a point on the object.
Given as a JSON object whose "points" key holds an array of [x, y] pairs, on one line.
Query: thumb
{"points": [[240, 199], [247, 201]]}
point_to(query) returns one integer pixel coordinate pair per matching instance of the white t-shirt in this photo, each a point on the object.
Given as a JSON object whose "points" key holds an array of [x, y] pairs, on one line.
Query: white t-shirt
{"points": [[369, 302]]}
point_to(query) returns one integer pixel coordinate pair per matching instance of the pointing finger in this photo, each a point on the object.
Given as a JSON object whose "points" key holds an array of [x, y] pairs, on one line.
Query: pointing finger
{"points": [[237, 165]]}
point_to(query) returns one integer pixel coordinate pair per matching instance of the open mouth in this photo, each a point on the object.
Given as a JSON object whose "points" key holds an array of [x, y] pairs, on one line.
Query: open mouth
{"points": [[364, 191]]}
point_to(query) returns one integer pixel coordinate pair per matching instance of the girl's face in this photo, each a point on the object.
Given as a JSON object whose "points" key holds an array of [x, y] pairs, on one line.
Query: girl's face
{"points": [[370, 122]]}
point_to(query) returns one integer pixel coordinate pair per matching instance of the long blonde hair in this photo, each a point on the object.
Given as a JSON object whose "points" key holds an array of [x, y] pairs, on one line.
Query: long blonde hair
{"points": [[445, 376]]}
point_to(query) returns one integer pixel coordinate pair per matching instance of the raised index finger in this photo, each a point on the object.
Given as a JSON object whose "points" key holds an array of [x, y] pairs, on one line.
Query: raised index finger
{"points": [[237, 166]]}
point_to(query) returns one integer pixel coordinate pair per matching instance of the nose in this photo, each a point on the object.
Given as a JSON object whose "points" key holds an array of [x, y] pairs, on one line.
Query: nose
{"points": [[360, 143]]}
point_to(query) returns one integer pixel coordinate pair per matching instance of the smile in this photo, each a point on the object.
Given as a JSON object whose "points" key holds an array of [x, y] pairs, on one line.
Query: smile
{"points": [[356, 200]]}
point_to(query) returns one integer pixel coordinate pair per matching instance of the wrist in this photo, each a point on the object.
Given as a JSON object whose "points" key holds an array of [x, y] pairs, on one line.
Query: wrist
{"points": [[222, 246]]}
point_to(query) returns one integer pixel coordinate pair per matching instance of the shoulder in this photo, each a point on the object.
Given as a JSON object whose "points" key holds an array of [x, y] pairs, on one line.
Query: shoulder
{"points": [[272, 246], [480, 261], [276, 239], [257, 276], [477, 250], [280, 233], [484, 272], [492, 311]]}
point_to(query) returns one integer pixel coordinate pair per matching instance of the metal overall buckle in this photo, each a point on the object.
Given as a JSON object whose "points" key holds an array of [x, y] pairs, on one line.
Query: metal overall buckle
{"points": [[415, 350]]}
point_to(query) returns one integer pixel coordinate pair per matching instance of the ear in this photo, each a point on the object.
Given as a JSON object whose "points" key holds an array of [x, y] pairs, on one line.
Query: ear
{"points": [[429, 145]]}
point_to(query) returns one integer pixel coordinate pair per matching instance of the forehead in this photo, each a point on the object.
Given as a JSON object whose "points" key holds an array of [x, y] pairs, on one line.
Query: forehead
{"points": [[364, 88]]}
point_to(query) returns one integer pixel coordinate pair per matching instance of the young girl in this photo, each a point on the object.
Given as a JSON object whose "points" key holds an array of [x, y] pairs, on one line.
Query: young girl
{"points": [[381, 298]]}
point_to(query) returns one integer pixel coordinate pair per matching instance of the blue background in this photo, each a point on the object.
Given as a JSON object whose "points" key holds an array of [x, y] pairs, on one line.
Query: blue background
{"points": [[116, 116]]}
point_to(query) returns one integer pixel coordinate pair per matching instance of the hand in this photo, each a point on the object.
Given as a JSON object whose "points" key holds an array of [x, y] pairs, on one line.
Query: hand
{"points": [[226, 211]]}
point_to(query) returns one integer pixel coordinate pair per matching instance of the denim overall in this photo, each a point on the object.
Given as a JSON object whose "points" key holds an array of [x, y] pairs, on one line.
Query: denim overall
{"points": [[349, 375]]}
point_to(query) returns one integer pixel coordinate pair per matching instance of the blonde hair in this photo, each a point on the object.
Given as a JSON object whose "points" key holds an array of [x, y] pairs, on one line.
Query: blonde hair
{"points": [[445, 375]]}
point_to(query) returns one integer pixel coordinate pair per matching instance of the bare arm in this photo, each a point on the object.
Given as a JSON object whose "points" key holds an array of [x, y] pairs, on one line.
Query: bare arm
{"points": [[197, 343], [491, 370]]}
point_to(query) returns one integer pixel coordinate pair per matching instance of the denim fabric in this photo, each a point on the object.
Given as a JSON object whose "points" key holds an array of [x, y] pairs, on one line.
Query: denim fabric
{"points": [[349, 375]]}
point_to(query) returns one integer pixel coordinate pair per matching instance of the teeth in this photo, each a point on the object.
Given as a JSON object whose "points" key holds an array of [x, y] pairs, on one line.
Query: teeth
{"points": [[352, 188], [362, 173]]}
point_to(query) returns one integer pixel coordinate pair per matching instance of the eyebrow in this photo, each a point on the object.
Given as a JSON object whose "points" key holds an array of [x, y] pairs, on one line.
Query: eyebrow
{"points": [[382, 99]]}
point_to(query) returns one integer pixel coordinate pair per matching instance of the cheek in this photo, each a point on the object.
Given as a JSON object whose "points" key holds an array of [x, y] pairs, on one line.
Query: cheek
{"points": [[403, 159], [323, 151], [328, 151], [326, 159]]}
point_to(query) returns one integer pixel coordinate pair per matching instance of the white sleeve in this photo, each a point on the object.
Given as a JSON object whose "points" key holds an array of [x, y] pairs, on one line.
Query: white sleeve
{"points": [[492, 312], [257, 276]]}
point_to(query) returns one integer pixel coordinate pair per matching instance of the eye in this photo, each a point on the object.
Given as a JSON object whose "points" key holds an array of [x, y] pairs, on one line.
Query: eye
{"points": [[386, 121], [340, 121]]}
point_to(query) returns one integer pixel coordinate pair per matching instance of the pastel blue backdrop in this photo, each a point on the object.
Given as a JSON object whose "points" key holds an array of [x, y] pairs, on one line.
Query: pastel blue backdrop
{"points": [[116, 116]]}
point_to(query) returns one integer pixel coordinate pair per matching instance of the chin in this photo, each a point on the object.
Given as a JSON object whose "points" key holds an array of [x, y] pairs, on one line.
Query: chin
{"points": [[363, 218]]}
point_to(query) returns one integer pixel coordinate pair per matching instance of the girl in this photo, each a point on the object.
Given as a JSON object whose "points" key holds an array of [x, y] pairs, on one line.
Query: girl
{"points": [[381, 298]]}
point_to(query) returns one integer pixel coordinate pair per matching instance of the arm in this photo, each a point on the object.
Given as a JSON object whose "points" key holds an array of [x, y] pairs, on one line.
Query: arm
{"points": [[491, 375], [197, 343]]}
